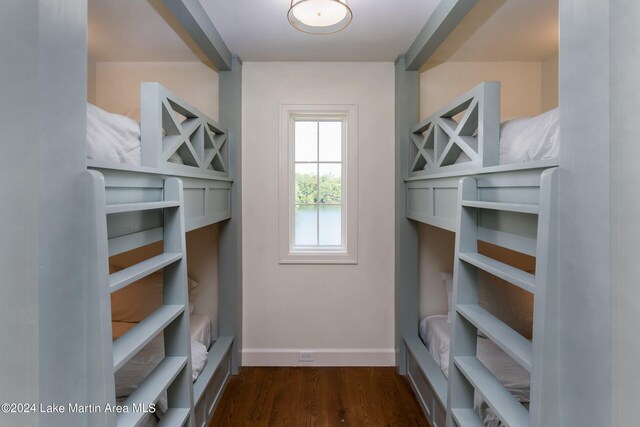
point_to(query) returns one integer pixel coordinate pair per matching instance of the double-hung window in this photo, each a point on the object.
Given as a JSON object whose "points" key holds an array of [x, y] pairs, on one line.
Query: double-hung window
{"points": [[318, 184]]}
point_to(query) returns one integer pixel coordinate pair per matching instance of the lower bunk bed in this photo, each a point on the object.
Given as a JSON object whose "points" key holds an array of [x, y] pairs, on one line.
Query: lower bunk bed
{"points": [[471, 368], [435, 335], [153, 359]]}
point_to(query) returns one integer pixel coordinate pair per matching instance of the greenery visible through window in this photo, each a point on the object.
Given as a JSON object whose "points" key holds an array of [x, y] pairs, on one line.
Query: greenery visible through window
{"points": [[318, 182]]}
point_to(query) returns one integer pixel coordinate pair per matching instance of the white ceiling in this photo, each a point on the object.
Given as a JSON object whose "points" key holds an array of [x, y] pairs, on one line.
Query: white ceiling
{"points": [[258, 30]]}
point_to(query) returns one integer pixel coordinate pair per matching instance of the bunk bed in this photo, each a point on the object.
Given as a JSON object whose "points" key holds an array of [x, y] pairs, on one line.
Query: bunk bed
{"points": [[151, 183], [491, 183]]}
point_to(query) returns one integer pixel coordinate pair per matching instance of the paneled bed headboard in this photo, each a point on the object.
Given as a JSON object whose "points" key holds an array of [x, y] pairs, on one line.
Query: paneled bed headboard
{"points": [[462, 135]]}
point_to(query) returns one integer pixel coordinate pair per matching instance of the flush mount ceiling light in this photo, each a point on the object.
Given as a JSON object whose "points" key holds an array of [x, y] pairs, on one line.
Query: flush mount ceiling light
{"points": [[319, 16]]}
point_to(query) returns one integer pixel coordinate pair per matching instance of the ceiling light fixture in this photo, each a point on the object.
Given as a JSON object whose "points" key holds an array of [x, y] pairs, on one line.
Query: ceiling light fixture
{"points": [[319, 16]]}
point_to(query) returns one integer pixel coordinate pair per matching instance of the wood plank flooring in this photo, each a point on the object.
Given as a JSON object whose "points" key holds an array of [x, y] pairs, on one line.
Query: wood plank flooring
{"points": [[310, 396]]}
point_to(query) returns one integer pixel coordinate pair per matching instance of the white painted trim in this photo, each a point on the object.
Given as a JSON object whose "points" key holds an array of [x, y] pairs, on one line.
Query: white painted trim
{"points": [[348, 254], [322, 357]]}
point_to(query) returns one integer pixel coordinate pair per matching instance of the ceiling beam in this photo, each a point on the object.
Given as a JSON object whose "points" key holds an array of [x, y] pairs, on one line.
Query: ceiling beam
{"points": [[197, 23], [440, 24]]}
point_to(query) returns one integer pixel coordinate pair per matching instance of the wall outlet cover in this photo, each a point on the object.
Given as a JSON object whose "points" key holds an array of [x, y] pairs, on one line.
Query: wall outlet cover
{"points": [[305, 356]]}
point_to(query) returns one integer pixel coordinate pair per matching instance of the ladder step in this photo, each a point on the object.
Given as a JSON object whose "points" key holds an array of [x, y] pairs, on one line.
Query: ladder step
{"points": [[466, 417], [125, 347], [144, 206], [174, 417], [506, 407], [136, 272], [497, 206], [149, 391], [514, 344], [520, 278]]}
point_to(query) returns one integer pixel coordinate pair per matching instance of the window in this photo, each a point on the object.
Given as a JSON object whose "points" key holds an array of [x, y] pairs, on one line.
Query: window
{"points": [[318, 184]]}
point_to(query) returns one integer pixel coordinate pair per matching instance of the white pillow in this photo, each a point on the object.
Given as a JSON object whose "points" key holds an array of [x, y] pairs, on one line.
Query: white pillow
{"points": [[111, 137], [198, 358], [447, 280], [530, 138]]}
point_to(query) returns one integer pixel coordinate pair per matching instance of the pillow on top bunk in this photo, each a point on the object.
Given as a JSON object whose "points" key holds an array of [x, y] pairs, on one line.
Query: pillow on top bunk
{"points": [[527, 139], [530, 138], [111, 137], [447, 280]]}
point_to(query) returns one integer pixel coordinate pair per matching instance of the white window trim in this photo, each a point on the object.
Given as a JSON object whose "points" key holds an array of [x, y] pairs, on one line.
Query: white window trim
{"points": [[348, 253]]}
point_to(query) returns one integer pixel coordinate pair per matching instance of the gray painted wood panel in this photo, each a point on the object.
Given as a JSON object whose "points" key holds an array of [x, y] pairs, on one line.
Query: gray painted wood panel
{"points": [[406, 231], [433, 201], [584, 213], [43, 47], [196, 22], [206, 201], [19, 226], [230, 254], [625, 209], [440, 24]]}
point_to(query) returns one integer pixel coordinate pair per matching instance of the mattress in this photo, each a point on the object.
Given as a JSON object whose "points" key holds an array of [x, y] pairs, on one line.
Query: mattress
{"points": [[528, 139], [435, 332]]}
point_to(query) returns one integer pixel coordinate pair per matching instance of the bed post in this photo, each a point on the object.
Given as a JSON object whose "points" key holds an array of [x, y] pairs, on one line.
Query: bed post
{"points": [[407, 92], [230, 253]]}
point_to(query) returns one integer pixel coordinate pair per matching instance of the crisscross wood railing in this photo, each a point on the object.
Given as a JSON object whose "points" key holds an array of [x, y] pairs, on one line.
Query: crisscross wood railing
{"points": [[469, 125], [178, 135]]}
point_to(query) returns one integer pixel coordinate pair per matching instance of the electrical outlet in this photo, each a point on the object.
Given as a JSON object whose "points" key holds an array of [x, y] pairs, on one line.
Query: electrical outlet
{"points": [[305, 356]]}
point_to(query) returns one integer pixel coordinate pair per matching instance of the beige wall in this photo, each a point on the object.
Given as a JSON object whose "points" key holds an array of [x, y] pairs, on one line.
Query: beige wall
{"points": [[520, 89], [91, 82], [118, 84], [344, 313], [549, 83]]}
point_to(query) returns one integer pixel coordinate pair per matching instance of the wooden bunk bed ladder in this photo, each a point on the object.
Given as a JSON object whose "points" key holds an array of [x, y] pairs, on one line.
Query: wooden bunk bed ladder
{"points": [[467, 375], [173, 374]]}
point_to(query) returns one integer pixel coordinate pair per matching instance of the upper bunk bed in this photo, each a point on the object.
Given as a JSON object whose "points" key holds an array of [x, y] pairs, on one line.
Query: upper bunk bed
{"points": [[173, 139], [466, 138]]}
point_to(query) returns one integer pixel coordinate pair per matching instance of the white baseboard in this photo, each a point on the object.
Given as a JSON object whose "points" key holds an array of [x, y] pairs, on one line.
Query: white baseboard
{"points": [[321, 357]]}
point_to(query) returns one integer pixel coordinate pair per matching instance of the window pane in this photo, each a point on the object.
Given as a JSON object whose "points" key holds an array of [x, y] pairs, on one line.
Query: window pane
{"points": [[330, 231], [306, 226], [306, 141], [330, 141], [330, 182], [306, 183]]}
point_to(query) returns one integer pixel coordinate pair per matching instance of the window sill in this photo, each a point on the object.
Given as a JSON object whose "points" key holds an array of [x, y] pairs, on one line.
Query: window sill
{"points": [[319, 258]]}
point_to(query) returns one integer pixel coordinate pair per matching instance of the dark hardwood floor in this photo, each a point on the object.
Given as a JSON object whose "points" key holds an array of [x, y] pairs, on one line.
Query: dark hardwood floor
{"points": [[301, 397]]}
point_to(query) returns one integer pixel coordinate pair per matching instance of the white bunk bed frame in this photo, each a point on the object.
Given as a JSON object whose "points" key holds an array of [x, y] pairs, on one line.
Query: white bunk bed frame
{"points": [[160, 201]]}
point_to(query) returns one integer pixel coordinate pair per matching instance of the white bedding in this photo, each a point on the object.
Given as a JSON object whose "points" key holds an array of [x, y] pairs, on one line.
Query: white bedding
{"points": [[112, 137], [200, 328], [115, 138], [528, 139], [434, 333], [129, 377]]}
